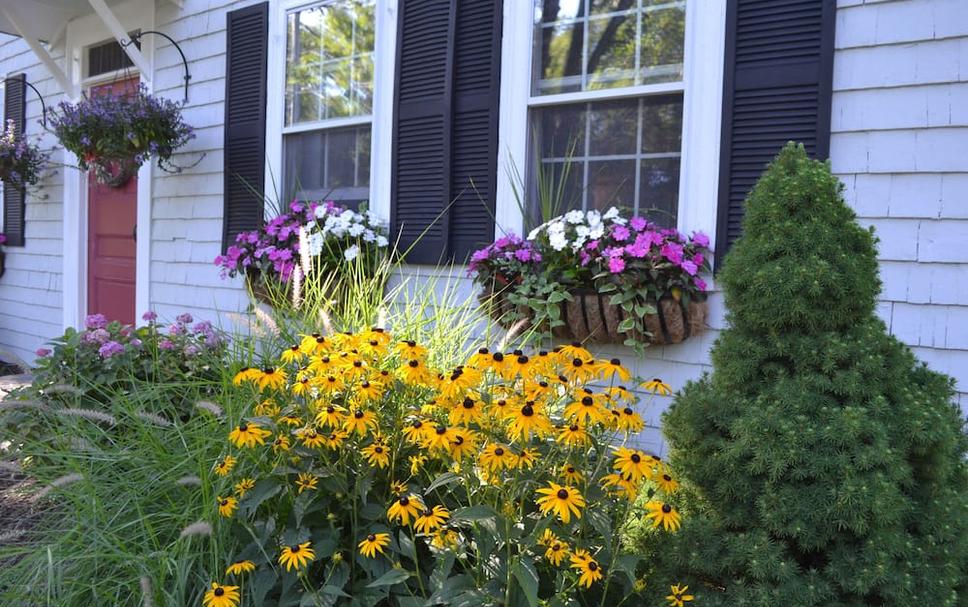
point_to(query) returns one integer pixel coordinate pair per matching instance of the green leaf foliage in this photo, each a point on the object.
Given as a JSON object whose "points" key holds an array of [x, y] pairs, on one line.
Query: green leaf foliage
{"points": [[823, 465]]}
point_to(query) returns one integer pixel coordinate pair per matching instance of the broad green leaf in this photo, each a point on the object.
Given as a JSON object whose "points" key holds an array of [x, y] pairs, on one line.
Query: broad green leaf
{"points": [[446, 478], [626, 325], [527, 577], [442, 570], [474, 513], [394, 576], [263, 490]]}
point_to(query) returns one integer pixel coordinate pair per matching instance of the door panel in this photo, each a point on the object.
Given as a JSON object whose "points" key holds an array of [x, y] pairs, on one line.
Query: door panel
{"points": [[112, 213]]}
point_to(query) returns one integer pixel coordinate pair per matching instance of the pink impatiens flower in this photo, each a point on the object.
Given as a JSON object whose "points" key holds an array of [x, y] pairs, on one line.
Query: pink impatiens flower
{"points": [[620, 233], [689, 267], [673, 252], [616, 265]]}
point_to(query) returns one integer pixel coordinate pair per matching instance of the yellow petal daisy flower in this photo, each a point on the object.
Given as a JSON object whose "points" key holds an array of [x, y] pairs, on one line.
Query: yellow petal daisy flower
{"points": [[377, 455], [663, 514], [679, 598], [240, 567], [374, 543], [297, 556], [244, 486], [431, 519], [221, 596], [657, 386], [248, 435], [306, 481], [556, 552], [225, 466], [588, 568], [227, 506], [404, 509], [561, 500]]}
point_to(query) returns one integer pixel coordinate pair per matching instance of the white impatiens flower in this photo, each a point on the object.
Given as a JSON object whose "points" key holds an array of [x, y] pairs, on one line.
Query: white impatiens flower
{"points": [[557, 240], [574, 217], [596, 232], [356, 229], [594, 218], [534, 233], [611, 213], [352, 252], [381, 241]]}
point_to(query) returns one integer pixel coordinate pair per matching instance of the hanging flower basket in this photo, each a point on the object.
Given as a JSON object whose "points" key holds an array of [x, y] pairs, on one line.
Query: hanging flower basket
{"points": [[22, 162], [589, 317], [114, 134], [595, 277]]}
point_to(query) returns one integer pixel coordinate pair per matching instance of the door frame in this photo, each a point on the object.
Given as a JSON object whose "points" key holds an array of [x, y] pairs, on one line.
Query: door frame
{"points": [[82, 33]]}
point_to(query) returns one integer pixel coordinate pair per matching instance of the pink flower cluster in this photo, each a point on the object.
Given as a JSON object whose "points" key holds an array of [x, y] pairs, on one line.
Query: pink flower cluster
{"points": [[273, 249], [505, 257], [640, 241]]}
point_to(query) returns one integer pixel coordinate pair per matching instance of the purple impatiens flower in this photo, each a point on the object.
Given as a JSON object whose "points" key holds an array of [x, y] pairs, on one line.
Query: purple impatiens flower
{"points": [[95, 321], [109, 349]]}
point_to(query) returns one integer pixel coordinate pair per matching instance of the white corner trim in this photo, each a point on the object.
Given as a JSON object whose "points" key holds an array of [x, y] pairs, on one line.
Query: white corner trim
{"points": [[275, 98], [62, 77], [702, 116], [512, 156]]}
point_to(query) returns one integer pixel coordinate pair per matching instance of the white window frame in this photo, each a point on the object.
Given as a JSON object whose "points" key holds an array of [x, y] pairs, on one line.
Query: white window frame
{"points": [[702, 88], [381, 119]]}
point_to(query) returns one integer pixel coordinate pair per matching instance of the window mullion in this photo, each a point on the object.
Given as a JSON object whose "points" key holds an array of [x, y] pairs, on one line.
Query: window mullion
{"points": [[586, 154], [638, 158]]}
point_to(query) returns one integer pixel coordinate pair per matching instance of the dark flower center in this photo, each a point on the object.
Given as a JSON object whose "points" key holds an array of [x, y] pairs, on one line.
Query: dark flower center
{"points": [[571, 469], [468, 403], [498, 357], [527, 410], [325, 359], [666, 508], [365, 385], [499, 452], [414, 364], [442, 430], [294, 548], [501, 402], [320, 340], [371, 538], [268, 370], [573, 427], [374, 342], [593, 566], [378, 450], [359, 415], [615, 361], [556, 547], [357, 363], [459, 440], [224, 503], [244, 428], [417, 423], [628, 410], [219, 592], [482, 351], [404, 500], [575, 344], [666, 477], [588, 401], [577, 362], [562, 494], [636, 458], [410, 343], [294, 348], [330, 409], [523, 360]]}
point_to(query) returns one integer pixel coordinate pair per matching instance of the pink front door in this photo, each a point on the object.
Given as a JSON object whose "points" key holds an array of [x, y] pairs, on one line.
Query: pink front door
{"points": [[112, 213]]}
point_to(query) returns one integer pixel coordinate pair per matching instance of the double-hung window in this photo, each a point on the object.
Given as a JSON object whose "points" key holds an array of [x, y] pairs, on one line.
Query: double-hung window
{"points": [[606, 104], [328, 108]]}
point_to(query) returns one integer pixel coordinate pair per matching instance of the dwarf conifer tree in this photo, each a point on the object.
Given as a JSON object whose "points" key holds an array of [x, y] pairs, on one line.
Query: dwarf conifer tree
{"points": [[822, 464]]}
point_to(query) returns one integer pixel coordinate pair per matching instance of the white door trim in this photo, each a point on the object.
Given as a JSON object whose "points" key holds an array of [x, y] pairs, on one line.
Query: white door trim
{"points": [[81, 33]]}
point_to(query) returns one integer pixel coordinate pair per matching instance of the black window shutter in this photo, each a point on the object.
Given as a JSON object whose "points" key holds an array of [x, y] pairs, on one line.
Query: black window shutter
{"points": [[445, 127], [777, 87], [247, 32], [14, 198]]}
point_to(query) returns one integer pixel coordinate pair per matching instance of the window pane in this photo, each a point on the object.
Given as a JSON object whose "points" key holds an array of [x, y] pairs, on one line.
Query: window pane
{"points": [[611, 52], [659, 190], [620, 43], [558, 57], [624, 153], [332, 164], [663, 32], [329, 71]]}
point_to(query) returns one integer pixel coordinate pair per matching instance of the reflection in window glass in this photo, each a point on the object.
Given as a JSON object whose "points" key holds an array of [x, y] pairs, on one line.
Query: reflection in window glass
{"points": [[621, 152], [329, 164], [599, 44], [329, 61]]}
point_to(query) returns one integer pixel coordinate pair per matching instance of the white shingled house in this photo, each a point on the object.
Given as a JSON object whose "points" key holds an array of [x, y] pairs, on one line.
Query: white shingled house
{"points": [[676, 104]]}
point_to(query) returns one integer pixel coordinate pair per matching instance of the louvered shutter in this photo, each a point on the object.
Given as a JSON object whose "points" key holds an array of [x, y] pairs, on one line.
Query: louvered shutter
{"points": [[445, 127], [14, 198], [247, 32], [777, 88]]}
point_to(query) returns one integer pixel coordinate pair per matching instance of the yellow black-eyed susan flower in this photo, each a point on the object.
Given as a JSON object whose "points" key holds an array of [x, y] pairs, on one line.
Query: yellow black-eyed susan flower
{"points": [[610, 369], [331, 416], [297, 556], [529, 420], [679, 598], [306, 481], [588, 568], [399, 487], [657, 386], [267, 408], [415, 431], [463, 442], [289, 420], [527, 458], [240, 567], [248, 434], [634, 463], [414, 372], [410, 349], [571, 475], [244, 486], [376, 454], [466, 412], [496, 456], [666, 482], [225, 466], [221, 596], [438, 438], [374, 543], [246, 374], [405, 509], [334, 440], [573, 350], [272, 377], [368, 391], [563, 501], [227, 506], [556, 551], [303, 385], [663, 514], [579, 369], [416, 463], [431, 519], [292, 354], [629, 420], [586, 408], [622, 484], [573, 435], [360, 421], [281, 444], [479, 359], [444, 539]]}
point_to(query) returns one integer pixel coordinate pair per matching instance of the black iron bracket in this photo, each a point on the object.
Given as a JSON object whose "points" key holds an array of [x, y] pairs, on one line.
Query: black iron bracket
{"points": [[43, 105], [136, 37]]}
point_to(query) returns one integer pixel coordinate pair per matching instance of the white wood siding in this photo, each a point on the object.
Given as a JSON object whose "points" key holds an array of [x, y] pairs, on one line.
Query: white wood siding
{"points": [[30, 290], [899, 142]]}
